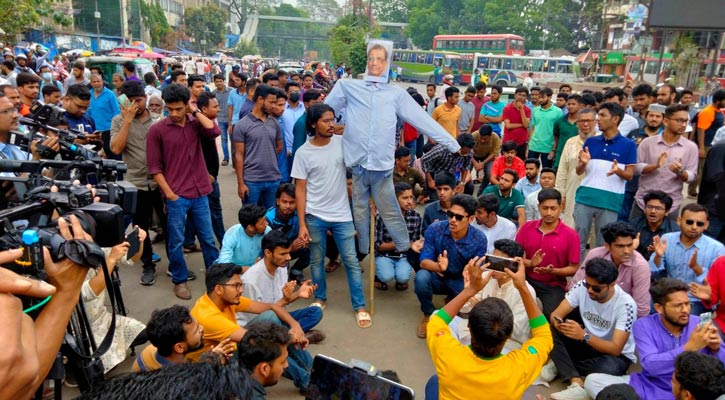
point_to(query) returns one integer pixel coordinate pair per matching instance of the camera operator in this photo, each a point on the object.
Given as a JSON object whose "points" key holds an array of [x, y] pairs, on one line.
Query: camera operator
{"points": [[128, 138], [31, 347], [76, 102]]}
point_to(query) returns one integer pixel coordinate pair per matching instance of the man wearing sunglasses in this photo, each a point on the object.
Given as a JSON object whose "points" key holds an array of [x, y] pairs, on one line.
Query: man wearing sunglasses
{"points": [[688, 254], [598, 337], [447, 248]]}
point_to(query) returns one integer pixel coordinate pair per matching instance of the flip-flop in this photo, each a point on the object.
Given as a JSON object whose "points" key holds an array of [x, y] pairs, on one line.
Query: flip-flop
{"points": [[380, 285], [362, 316]]}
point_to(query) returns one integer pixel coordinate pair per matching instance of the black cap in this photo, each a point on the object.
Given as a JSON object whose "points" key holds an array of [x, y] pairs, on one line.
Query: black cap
{"points": [[235, 67]]}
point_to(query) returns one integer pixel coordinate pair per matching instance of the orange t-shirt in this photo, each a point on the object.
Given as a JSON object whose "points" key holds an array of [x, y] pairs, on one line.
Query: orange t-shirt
{"points": [[218, 324]]}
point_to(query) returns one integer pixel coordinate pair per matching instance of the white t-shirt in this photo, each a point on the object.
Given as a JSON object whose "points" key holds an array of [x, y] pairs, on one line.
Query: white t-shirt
{"points": [[324, 169], [601, 319], [504, 229], [260, 286]]}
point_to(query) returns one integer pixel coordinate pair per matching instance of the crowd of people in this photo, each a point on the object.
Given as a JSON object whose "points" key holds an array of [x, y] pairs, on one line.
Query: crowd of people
{"points": [[577, 257]]}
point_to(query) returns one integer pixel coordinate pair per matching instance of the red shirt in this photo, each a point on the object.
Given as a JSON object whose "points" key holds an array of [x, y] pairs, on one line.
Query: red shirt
{"points": [[175, 151], [716, 279], [499, 164], [519, 135], [560, 248], [478, 103], [409, 133]]}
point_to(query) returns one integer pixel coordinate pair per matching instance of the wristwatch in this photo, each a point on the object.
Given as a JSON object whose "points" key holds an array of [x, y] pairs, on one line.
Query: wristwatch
{"points": [[195, 112], [586, 337]]}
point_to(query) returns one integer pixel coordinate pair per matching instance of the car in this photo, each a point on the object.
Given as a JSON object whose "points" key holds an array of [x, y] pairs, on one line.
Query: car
{"points": [[290, 68]]}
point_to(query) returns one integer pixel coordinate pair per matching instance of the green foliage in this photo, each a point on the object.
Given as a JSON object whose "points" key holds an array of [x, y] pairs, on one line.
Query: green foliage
{"points": [[390, 10], [20, 15], [283, 39], [242, 8], [245, 48], [322, 10], [155, 20], [685, 62], [347, 41], [206, 23]]}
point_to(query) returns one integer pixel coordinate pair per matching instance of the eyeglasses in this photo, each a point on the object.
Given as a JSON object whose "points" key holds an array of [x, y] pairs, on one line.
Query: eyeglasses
{"points": [[585, 121], [680, 306], [377, 59], [9, 111], [238, 286], [680, 121], [80, 107], [654, 208], [595, 288], [458, 217], [699, 224]]}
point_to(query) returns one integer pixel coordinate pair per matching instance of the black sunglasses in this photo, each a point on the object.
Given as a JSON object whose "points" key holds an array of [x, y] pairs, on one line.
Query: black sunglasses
{"points": [[458, 217], [595, 288], [700, 224]]}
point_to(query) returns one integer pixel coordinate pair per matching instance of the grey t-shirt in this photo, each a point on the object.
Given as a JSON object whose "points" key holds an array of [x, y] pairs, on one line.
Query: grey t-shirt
{"points": [[468, 111], [134, 154], [260, 152]]}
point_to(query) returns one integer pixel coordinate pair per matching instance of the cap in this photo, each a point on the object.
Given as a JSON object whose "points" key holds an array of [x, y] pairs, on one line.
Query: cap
{"points": [[235, 67], [22, 56], [449, 77], [657, 108], [7, 53]]}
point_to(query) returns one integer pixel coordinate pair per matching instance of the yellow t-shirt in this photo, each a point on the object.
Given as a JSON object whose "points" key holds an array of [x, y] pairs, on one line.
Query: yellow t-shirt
{"points": [[448, 118], [461, 373], [218, 324]]}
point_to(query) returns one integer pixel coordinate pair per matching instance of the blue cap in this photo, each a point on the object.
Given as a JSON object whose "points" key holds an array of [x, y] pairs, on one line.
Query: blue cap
{"points": [[30, 237]]}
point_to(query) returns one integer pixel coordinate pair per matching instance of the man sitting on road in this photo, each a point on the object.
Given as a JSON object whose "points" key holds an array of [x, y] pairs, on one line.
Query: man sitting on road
{"points": [[242, 242]]}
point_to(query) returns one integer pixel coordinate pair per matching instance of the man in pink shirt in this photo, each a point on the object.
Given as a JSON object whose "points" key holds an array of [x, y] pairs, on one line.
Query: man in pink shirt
{"points": [[551, 251], [634, 273]]}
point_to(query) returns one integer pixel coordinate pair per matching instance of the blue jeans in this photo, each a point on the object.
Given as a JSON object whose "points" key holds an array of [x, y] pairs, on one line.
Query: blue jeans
{"points": [[428, 283], [630, 190], [224, 126], [262, 193], [217, 220], [411, 146], [431, 388], [379, 184], [344, 235], [307, 317], [198, 211], [387, 268], [299, 361]]}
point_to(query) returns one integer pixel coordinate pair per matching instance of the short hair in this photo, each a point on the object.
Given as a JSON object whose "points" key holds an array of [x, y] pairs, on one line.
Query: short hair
{"points": [[204, 99], [601, 270], [618, 391], [663, 287], [282, 73], [547, 169], [249, 214], [718, 95], [598, 96], [280, 93], [614, 109], [166, 328], [508, 146], [193, 78], [401, 152], [26, 78], [488, 202], [485, 130], [614, 92], [479, 86], [312, 94], [4, 87], [686, 91], [175, 74], [661, 196], [149, 78], [617, 229], [79, 64], [586, 110], [175, 93], [491, 323], [219, 274], [535, 89], [588, 100], [549, 194], [314, 113], [470, 89], [445, 178], [379, 46], [79, 91], [10, 64], [466, 140], [513, 173], [565, 85], [642, 89], [133, 89], [270, 77], [49, 89], [466, 201], [263, 342], [401, 187], [218, 76], [497, 88], [675, 107], [129, 66], [695, 208], [289, 84], [700, 374], [426, 86], [575, 97], [673, 89], [534, 161], [275, 239], [450, 91], [286, 188], [176, 67], [546, 91], [561, 95], [521, 89], [510, 247]]}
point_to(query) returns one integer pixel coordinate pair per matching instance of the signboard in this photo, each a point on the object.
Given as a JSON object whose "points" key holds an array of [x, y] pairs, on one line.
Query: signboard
{"points": [[702, 15]]}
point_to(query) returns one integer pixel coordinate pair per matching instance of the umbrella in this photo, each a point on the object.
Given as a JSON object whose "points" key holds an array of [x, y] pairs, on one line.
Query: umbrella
{"points": [[79, 52]]}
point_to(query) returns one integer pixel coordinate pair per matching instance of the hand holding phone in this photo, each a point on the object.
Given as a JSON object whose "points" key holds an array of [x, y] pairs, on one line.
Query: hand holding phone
{"points": [[705, 318], [501, 263], [557, 319], [133, 241]]}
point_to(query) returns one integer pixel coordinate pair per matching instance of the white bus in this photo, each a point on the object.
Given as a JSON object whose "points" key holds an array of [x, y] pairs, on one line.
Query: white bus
{"points": [[507, 70]]}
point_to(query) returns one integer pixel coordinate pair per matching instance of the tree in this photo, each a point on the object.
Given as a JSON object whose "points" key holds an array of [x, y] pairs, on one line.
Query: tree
{"points": [[206, 25], [245, 48], [20, 15], [390, 10], [243, 8], [347, 41], [155, 19], [321, 10], [280, 38]]}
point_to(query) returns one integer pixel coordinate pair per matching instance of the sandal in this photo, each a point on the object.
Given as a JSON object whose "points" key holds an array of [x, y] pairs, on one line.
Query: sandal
{"points": [[225, 162], [318, 303], [380, 285], [192, 249], [332, 266], [400, 286], [364, 320]]}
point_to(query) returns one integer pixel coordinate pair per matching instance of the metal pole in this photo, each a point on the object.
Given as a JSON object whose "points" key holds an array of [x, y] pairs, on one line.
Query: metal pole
{"points": [[715, 54], [97, 16], [662, 53]]}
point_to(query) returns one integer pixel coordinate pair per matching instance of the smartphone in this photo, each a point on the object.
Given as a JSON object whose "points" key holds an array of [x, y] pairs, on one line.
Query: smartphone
{"points": [[500, 263], [705, 318], [557, 319], [123, 100], [134, 243]]}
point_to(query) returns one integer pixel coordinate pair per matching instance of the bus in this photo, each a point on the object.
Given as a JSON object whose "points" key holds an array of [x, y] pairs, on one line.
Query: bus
{"points": [[487, 43], [512, 70], [428, 66]]}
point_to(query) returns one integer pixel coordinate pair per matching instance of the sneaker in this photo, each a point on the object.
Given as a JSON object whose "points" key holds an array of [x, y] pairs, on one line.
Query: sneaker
{"points": [[148, 277], [548, 372], [190, 276], [155, 257], [573, 392]]}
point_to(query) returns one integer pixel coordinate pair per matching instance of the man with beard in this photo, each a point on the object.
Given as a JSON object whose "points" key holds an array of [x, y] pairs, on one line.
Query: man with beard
{"points": [[541, 129], [283, 218], [660, 338], [666, 95], [531, 183], [257, 140], [511, 201], [642, 97], [128, 138], [507, 160], [77, 76], [173, 334], [654, 222], [604, 344], [634, 273], [547, 180]]}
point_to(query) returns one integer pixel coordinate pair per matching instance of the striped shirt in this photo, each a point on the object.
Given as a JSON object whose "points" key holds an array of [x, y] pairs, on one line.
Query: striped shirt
{"points": [[413, 222], [597, 189]]}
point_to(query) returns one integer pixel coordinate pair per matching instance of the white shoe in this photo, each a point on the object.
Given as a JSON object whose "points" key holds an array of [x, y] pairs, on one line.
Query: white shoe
{"points": [[548, 372], [573, 392]]}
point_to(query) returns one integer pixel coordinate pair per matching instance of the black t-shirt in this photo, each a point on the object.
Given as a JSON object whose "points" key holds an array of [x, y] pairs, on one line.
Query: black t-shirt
{"points": [[211, 156]]}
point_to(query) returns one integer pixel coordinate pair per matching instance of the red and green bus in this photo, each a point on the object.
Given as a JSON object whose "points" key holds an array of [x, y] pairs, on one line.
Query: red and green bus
{"points": [[504, 43]]}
